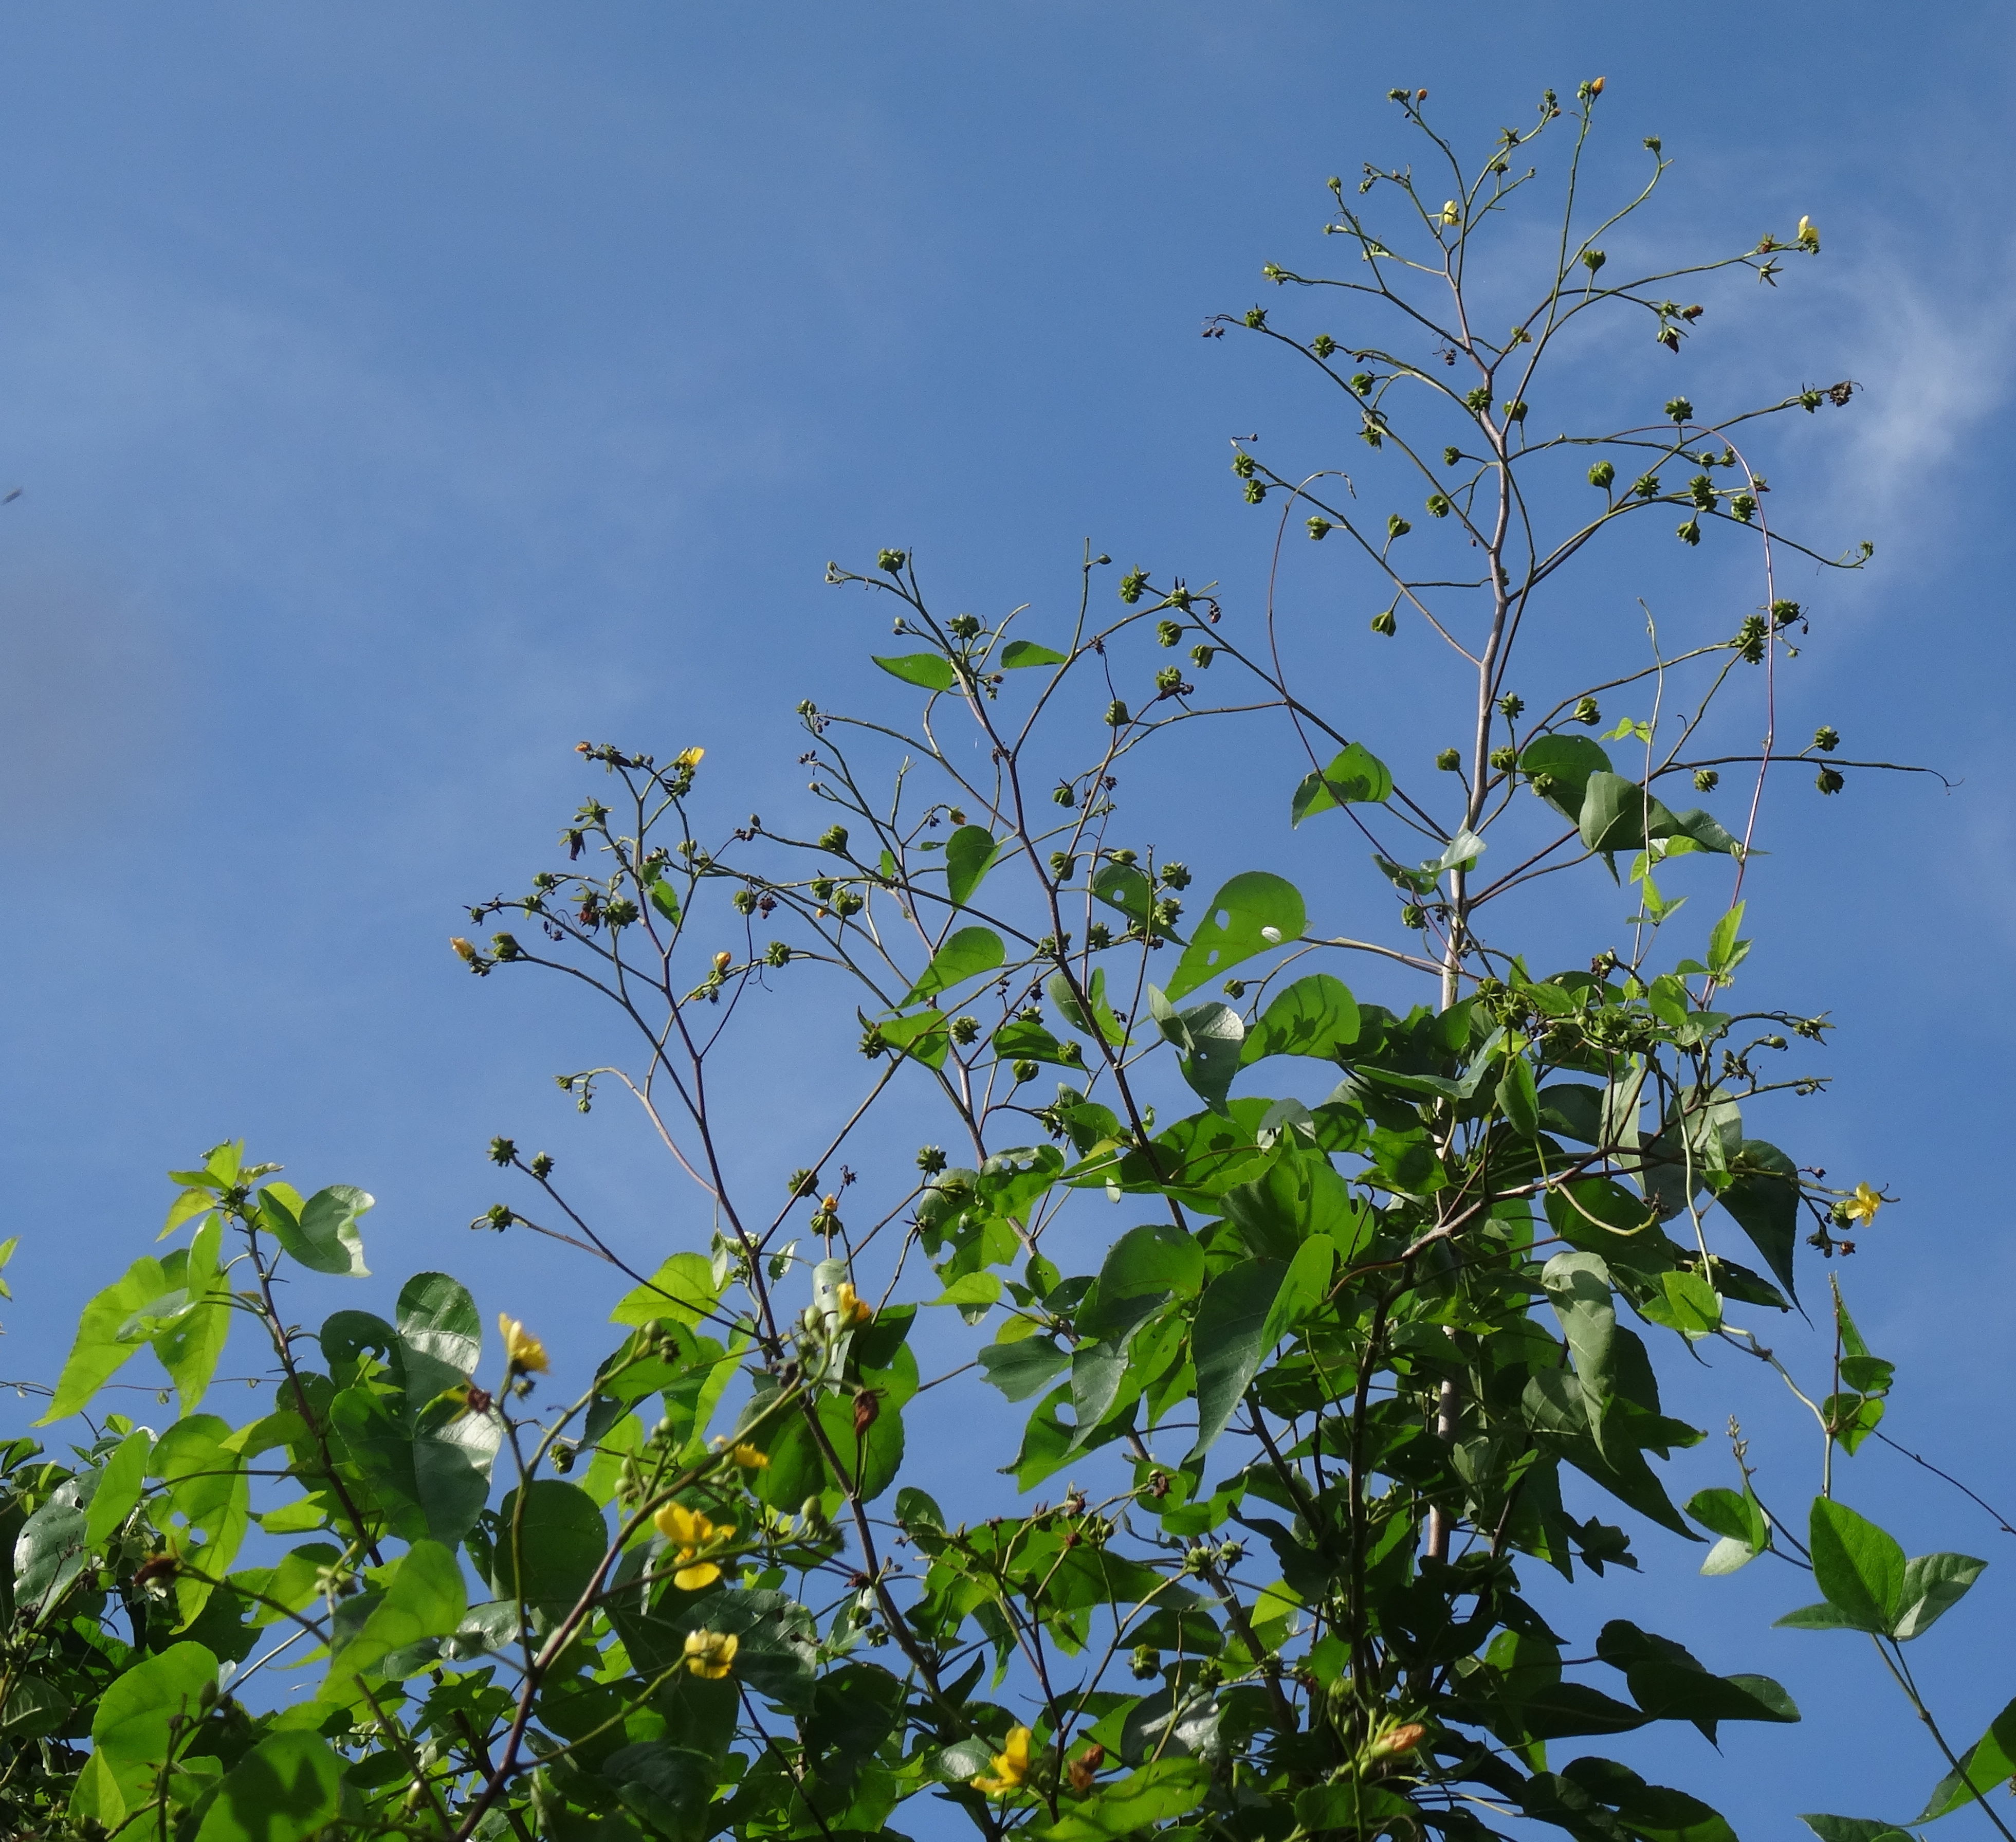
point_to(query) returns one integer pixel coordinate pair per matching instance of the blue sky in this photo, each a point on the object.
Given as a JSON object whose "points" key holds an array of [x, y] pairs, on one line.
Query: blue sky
{"points": [[400, 395]]}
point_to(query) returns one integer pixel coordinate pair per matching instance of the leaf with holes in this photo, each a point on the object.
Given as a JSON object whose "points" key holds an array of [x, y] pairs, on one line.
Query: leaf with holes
{"points": [[1252, 912]]}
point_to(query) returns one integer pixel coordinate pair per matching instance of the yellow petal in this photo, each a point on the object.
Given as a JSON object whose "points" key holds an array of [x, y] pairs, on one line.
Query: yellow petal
{"points": [[677, 1523], [710, 1654], [522, 1349], [750, 1458], [693, 1578]]}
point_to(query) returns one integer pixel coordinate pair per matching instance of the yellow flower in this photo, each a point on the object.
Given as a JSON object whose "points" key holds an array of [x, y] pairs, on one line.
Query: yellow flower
{"points": [[723, 961], [750, 1458], [710, 1654], [1863, 1205], [1011, 1766], [850, 1309], [688, 758], [1809, 237], [463, 950], [691, 1533], [522, 1350], [1452, 213]]}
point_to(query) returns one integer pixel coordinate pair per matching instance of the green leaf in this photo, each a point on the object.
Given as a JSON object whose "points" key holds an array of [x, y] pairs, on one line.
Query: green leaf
{"points": [[427, 1448], [1764, 1197], [1739, 1519], [1210, 1037], [437, 1320], [325, 1238], [1353, 1807], [1127, 887], [870, 1461], [1295, 1195], [1578, 1287], [969, 852], [131, 1730], [665, 898], [1862, 1828], [1820, 1617], [1316, 1016], [1025, 1367], [1145, 1266], [1725, 951], [1519, 1098], [923, 1036], [285, 1790], [1254, 911], [1707, 832], [965, 955], [208, 1487], [1686, 1302], [930, 671], [1618, 815], [1231, 1322], [1019, 654], [971, 1288], [1990, 1762], [683, 1289], [547, 1552], [50, 1551], [425, 1597], [1023, 1039], [1934, 1584], [113, 1326], [1161, 1789], [1859, 1568], [120, 1486], [189, 1347], [1093, 1018], [1244, 1314], [1567, 761], [1356, 777]]}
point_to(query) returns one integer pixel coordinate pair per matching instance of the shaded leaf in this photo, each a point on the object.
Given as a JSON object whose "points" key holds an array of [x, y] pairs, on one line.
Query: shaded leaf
{"points": [[284, 1789]]}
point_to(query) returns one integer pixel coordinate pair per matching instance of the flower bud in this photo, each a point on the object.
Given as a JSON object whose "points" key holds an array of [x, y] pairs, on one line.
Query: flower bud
{"points": [[1116, 715], [891, 560], [1706, 780], [1320, 528], [1449, 761], [1384, 622]]}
